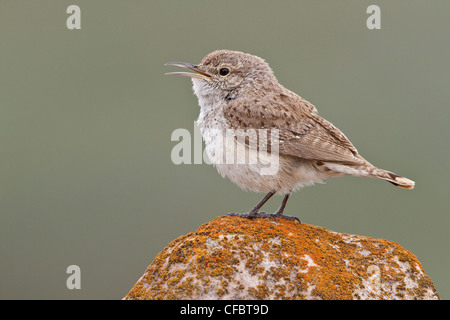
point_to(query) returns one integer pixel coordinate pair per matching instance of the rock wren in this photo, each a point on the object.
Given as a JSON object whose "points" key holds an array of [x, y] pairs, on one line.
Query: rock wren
{"points": [[238, 93]]}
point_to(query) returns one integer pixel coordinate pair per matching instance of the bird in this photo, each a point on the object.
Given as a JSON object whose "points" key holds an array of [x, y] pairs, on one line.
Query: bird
{"points": [[244, 110]]}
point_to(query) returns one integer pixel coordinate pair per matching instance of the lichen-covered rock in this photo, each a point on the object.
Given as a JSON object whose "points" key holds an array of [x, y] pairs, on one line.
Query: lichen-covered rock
{"points": [[235, 258]]}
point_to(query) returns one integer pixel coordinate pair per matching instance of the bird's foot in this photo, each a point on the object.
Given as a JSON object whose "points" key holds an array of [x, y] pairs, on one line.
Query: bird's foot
{"points": [[282, 216], [252, 215]]}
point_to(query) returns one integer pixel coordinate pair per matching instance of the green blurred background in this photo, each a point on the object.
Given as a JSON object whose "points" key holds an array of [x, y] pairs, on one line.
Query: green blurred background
{"points": [[86, 118]]}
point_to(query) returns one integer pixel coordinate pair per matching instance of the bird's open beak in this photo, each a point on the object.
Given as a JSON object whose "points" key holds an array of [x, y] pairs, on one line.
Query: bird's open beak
{"points": [[199, 74]]}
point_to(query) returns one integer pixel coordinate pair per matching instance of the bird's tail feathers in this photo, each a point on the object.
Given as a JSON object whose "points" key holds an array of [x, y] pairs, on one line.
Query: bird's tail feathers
{"points": [[370, 171], [393, 178]]}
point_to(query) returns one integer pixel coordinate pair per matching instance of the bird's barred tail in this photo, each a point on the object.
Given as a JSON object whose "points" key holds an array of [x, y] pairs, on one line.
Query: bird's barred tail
{"points": [[393, 178], [368, 170]]}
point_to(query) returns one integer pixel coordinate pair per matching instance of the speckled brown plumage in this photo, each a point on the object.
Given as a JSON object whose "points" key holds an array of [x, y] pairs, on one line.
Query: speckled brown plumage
{"points": [[239, 93]]}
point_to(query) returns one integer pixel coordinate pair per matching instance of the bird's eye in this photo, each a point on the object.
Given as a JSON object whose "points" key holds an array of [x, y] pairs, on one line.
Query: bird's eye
{"points": [[224, 71]]}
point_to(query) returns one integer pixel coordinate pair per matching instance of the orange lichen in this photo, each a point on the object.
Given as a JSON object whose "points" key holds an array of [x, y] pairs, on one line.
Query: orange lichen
{"points": [[235, 258]]}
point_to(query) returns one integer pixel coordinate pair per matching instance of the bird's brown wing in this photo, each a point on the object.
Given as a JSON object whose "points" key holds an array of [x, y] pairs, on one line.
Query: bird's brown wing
{"points": [[302, 133], [322, 142]]}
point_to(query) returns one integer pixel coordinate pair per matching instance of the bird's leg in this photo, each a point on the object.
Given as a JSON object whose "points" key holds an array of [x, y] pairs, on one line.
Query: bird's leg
{"points": [[256, 208], [280, 211], [254, 212]]}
